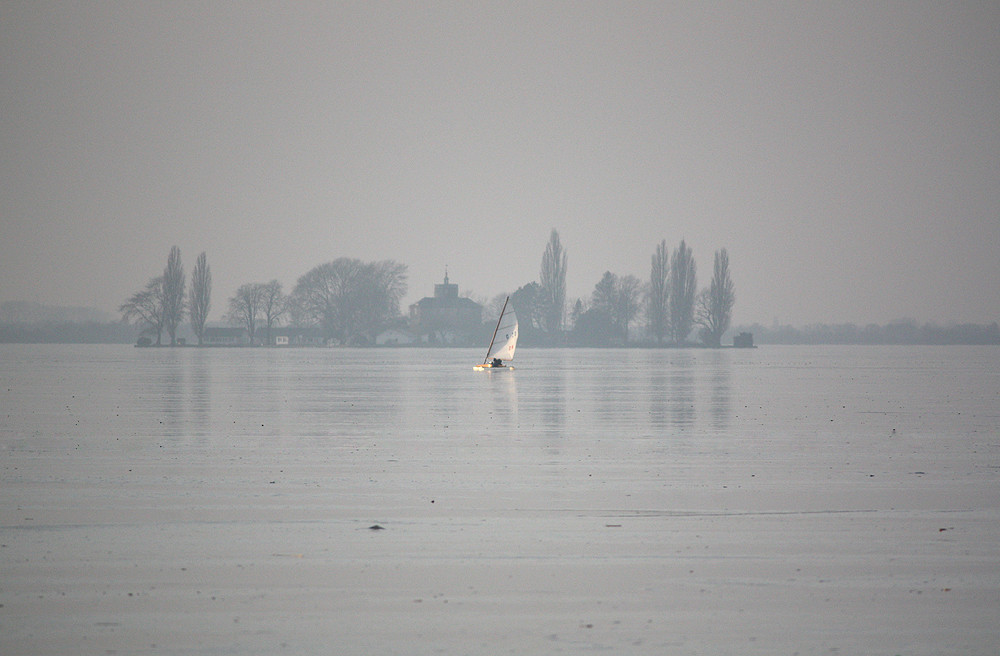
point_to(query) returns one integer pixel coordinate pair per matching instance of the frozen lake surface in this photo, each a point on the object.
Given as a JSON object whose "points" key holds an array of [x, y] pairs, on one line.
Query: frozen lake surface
{"points": [[782, 500]]}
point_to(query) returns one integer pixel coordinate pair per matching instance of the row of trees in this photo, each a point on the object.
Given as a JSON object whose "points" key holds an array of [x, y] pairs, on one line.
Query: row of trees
{"points": [[347, 300], [161, 304], [669, 300], [350, 301]]}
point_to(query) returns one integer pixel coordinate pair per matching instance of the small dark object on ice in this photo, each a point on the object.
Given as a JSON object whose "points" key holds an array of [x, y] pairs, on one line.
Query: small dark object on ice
{"points": [[376, 527]]}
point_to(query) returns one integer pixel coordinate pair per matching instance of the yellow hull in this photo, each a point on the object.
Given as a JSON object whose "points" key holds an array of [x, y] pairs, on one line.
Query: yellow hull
{"points": [[489, 367]]}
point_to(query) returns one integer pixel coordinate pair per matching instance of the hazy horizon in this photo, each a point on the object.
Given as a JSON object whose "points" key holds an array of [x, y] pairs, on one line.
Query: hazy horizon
{"points": [[846, 155]]}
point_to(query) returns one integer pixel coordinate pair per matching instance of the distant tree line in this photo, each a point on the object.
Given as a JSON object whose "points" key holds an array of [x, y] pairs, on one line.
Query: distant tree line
{"points": [[613, 314], [347, 300], [901, 332]]}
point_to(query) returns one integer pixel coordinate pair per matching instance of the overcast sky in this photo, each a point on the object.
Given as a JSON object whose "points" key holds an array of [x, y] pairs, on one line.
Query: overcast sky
{"points": [[846, 154]]}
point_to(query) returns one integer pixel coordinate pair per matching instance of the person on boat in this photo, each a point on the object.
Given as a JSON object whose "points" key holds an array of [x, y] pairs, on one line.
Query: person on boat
{"points": [[497, 362]]}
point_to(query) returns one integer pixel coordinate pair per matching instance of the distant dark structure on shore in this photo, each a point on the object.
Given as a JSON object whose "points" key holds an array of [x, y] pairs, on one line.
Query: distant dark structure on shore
{"points": [[446, 318]]}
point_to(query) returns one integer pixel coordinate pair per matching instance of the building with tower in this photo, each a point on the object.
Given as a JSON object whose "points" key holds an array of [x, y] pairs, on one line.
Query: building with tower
{"points": [[446, 318]]}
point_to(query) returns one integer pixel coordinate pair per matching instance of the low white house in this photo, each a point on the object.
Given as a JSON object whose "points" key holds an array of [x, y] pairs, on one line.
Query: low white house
{"points": [[293, 336]]}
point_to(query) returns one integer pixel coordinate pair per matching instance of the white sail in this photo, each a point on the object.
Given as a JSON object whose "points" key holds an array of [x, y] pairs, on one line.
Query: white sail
{"points": [[506, 338]]}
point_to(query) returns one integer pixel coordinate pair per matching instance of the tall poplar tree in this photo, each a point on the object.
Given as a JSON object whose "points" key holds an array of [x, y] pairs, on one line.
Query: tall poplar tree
{"points": [[200, 295], [173, 294], [683, 286], [657, 308], [715, 304], [553, 283]]}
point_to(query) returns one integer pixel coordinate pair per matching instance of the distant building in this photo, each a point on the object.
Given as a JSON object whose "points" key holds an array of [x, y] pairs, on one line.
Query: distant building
{"points": [[280, 336], [743, 340], [226, 337], [292, 336], [445, 318]]}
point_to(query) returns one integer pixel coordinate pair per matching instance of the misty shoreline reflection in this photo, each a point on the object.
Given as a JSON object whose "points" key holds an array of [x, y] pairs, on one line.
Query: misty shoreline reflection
{"points": [[199, 395], [601, 391]]}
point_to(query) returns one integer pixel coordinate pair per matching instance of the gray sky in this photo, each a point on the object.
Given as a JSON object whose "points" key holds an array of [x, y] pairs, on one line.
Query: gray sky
{"points": [[846, 154]]}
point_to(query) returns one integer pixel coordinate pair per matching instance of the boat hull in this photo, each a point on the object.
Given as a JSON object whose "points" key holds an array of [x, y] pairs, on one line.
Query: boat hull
{"points": [[489, 367]]}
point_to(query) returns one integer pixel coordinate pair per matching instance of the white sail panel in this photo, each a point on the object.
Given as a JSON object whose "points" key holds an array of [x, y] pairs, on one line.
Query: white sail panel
{"points": [[506, 338]]}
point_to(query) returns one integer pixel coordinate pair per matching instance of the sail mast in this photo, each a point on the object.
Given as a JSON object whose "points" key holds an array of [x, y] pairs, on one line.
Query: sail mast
{"points": [[499, 319]]}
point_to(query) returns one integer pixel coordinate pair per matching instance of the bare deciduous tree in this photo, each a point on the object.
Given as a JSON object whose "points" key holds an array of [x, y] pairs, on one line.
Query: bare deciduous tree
{"points": [[200, 296], [683, 286], [349, 298], [173, 294], [272, 306], [628, 299], [244, 307], [145, 308], [494, 306], [657, 303], [387, 287], [618, 297], [553, 283], [715, 304]]}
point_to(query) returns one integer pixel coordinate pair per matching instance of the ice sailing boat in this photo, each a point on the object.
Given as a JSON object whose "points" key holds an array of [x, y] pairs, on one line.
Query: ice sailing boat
{"points": [[504, 341]]}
